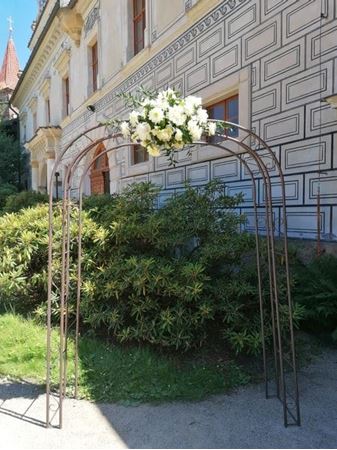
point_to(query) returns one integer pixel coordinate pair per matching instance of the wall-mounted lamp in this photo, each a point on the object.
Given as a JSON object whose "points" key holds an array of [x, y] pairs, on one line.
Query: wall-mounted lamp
{"points": [[91, 108]]}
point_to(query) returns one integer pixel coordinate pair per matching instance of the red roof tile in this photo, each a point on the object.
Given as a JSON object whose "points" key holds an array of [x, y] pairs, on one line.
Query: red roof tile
{"points": [[10, 67]]}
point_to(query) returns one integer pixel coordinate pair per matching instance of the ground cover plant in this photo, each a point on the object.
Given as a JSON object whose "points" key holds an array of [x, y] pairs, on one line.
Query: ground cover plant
{"points": [[110, 373]]}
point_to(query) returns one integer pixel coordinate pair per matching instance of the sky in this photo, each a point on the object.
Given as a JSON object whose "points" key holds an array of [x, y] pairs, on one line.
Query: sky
{"points": [[23, 13]]}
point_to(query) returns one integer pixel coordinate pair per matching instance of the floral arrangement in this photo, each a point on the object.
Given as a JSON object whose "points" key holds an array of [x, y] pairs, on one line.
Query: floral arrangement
{"points": [[166, 122]]}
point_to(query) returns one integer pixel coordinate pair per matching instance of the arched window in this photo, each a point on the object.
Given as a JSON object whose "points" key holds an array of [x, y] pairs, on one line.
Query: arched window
{"points": [[100, 173]]}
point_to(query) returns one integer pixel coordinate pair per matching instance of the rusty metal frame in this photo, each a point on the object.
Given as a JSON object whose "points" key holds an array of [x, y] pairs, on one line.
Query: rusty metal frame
{"points": [[290, 400]]}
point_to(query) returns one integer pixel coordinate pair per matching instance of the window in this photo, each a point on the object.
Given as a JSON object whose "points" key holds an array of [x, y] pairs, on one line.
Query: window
{"points": [[100, 173], [138, 25], [227, 109], [94, 67], [48, 117], [140, 154], [66, 95]]}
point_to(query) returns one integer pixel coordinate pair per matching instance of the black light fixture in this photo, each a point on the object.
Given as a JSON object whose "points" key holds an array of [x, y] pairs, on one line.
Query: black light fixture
{"points": [[91, 108]]}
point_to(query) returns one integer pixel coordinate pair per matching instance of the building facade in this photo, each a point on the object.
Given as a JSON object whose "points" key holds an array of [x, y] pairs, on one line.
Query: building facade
{"points": [[269, 64]]}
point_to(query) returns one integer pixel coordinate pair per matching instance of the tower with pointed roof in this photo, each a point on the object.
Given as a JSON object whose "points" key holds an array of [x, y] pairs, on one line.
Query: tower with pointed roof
{"points": [[9, 74]]}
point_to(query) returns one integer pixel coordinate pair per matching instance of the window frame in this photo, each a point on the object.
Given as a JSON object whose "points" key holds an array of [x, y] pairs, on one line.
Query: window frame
{"points": [[66, 95], [135, 150], [94, 66], [225, 101], [138, 44], [48, 111]]}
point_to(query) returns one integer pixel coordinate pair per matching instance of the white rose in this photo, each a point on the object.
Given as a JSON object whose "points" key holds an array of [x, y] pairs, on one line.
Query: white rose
{"points": [[153, 150], [176, 115], [156, 115], [134, 118], [179, 135], [143, 131], [125, 129], [211, 128], [202, 115], [165, 134]]}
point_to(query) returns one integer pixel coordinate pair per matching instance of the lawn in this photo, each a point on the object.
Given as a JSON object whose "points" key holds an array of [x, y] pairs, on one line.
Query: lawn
{"points": [[113, 374]]}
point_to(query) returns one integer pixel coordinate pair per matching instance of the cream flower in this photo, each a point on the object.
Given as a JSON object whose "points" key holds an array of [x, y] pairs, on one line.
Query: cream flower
{"points": [[134, 118], [165, 134], [179, 135], [156, 115], [153, 150], [125, 129]]}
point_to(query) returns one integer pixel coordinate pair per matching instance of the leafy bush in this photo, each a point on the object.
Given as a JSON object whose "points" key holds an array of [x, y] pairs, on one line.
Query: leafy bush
{"points": [[24, 199], [23, 255], [168, 274], [316, 290], [170, 277]]}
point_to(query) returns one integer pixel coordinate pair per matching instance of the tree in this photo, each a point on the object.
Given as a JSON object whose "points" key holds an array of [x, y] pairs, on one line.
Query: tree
{"points": [[11, 156]]}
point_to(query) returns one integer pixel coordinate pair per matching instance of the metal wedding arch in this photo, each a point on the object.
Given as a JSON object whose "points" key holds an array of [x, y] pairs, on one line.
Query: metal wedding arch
{"points": [[280, 381]]}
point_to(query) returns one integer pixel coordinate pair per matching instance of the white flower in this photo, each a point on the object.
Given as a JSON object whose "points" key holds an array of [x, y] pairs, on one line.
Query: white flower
{"points": [[153, 150], [125, 129], [156, 115], [143, 131], [195, 130], [211, 128], [191, 103], [165, 134], [134, 118], [179, 135], [176, 115], [202, 115]]}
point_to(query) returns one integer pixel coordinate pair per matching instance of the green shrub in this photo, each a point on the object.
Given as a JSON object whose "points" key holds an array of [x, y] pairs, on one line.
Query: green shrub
{"points": [[170, 277], [24, 252], [316, 291], [23, 199], [167, 274]]}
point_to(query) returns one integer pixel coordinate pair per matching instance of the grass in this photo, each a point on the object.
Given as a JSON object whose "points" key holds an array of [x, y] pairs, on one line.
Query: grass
{"points": [[109, 373]]}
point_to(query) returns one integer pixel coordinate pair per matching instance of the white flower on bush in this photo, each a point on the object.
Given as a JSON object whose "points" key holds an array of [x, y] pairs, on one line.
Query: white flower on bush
{"points": [[156, 115]]}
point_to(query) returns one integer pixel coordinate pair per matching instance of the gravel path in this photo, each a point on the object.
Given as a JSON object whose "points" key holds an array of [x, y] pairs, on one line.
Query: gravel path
{"points": [[243, 419]]}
